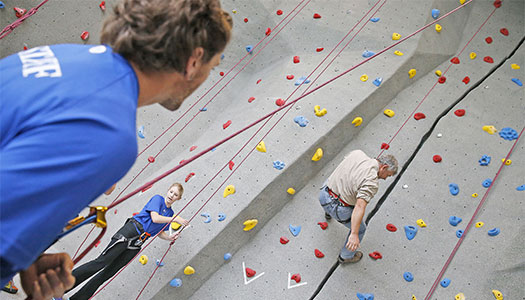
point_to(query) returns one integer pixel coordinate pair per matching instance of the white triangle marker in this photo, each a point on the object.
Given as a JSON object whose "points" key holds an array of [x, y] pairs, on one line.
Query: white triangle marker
{"points": [[246, 277], [294, 286]]}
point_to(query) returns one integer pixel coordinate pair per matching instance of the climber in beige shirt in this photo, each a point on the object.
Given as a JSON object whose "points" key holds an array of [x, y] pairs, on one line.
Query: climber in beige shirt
{"points": [[348, 190]]}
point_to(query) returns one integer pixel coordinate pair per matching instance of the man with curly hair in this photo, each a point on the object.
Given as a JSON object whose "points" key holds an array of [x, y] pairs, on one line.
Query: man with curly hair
{"points": [[67, 122]]}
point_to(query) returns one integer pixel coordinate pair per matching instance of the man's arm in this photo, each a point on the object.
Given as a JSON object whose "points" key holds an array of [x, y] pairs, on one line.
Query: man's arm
{"points": [[357, 216], [156, 218]]}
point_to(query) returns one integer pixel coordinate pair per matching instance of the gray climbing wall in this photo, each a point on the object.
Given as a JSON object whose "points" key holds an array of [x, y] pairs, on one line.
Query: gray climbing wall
{"points": [[261, 189]]}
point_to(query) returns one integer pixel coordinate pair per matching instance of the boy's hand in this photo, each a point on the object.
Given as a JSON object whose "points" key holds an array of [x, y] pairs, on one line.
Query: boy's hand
{"points": [[173, 237]]}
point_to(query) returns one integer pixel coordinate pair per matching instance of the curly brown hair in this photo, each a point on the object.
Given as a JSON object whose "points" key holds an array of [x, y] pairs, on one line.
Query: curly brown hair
{"points": [[160, 35]]}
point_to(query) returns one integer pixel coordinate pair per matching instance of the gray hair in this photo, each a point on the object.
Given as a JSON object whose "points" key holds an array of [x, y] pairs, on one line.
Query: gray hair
{"points": [[390, 161]]}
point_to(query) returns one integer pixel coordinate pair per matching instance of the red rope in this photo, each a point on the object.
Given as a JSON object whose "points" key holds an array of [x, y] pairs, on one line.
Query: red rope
{"points": [[438, 279], [435, 83], [9, 28]]}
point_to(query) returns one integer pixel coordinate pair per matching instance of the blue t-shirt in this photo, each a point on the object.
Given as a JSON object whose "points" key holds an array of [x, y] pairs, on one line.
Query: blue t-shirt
{"points": [[67, 133], [156, 203]]}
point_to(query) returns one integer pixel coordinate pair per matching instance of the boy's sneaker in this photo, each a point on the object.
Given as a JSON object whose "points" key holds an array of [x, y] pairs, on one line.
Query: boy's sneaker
{"points": [[357, 257], [10, 287]]}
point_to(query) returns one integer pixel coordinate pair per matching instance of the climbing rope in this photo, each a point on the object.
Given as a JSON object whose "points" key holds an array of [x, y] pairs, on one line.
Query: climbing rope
{"points": [[9, 28]]}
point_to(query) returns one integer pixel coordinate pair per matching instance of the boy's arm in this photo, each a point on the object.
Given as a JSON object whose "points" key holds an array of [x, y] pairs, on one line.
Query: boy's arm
{"points": [[156, 218], [165, 236]]}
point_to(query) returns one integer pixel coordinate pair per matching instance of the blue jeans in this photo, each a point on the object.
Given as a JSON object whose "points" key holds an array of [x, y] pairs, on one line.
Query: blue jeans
{"points": [[343, 215]]}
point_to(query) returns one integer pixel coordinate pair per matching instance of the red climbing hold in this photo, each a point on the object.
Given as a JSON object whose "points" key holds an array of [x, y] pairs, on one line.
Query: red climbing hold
{"points": [[19, 12], [418, 116], [488, 40], [102, 5], [317, 16], [323, 225], [280, 102], [146, 188], [318, 253], [442, 79], [259, 81], [460, 112], [221, 73], [25, 47], [85, 35], [182, 161], [488, 59], [193, 148], [284, 240], [455, 60], [391, 227], [230, 165], [268, 31], [319, 49], [375, 255], [134, 214], [151, 159], [250, 272], [296, 277], [466, 80], [385, 146], [98, 243], [189, 177], [436, 158], [504, 31], [296, 60], [245, 20], [250, 100], [225, 125], [289, 77], [279, 12], [497, 3]]}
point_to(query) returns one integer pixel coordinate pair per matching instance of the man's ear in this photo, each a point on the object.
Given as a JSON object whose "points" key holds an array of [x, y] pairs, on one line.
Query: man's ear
{"points": [[194, 63]]}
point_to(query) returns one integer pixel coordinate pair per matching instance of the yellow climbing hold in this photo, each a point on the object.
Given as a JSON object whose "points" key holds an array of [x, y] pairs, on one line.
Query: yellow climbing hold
{"points": [[497, 294], [261, 147], [396, 36], [421, 223], [320, 112], [515, 66], [388, 112], [189, 270], [414, 297], [143, 259], [489, 129], [412, 73], [438, 28], [479, 224], [398, 53], [475, 195], [460, 296], [439, 73], [229, 190], [249, 224], [175, 225], [318, 154], [364, 77], [462, 2], [508, 162], [357, 121], [290, 191], [234, 11], [473, 55]]}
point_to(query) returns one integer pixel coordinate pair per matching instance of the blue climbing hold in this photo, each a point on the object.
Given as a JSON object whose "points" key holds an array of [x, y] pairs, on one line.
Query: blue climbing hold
{"points": [[445, 282], [159, 263], [435, 13], [521, 188], [494, 231], [203, 109], [249, 48], [367, 54], [408, 276], [487, 182], [508, 134], [295, 230], [227, 256], [365, 296], [207, 216], [375, 19], [517, 81], [279, 165], [410, 232], [222, 56], [176, 282], [378, 81], [454, 221], [302, 80], [459, 233], [222, 217], [301, 121], [484, 160], [2, 5], [454, 189], [140, 132]]}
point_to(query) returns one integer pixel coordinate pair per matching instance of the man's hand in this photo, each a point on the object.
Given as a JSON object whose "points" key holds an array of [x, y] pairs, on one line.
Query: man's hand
{"points": [[173, 237], [353, 242], [182, 221], [49, 276]]}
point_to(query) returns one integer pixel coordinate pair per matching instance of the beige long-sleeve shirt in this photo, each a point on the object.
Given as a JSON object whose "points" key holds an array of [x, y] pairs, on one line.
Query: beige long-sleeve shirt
{"points": [[355, 177]]}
